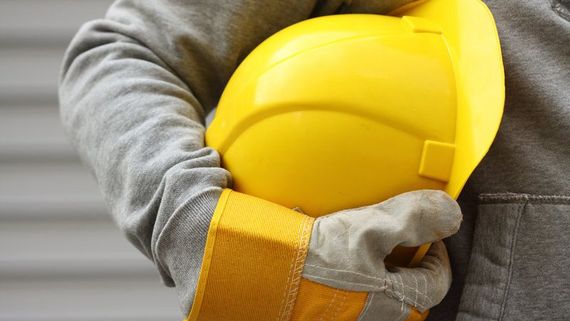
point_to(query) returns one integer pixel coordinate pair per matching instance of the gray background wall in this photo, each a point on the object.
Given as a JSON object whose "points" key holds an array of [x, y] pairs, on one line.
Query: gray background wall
{"points": [[61, 257]]}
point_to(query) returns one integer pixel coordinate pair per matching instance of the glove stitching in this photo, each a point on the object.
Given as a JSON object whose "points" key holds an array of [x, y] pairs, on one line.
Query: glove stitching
{"points": [[339, 306], [395, 293], [401, 295], [299, 265], [425, 284], [417, 286], [336, 291], [403, 287], [290, 275], [373, 287], [364, 275], [400, 298], [439, 267], [425, 280]]}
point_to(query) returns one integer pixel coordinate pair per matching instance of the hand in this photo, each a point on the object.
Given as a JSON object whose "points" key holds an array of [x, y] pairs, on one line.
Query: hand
{"points": [[347, 251]]}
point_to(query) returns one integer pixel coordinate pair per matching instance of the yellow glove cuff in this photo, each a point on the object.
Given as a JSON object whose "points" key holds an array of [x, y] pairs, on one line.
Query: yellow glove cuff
{"points": [[252, 266], [254, 256]]}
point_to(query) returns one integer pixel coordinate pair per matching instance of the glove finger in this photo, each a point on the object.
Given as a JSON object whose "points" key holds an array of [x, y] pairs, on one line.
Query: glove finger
{"points": [[347, 248], [424, 286], [341, 255], [409, 289], [409, 219], [416, 218]]}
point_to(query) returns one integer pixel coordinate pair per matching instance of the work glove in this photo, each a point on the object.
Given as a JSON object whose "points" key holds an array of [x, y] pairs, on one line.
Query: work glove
{"points": [[263, 261], [347, 251]]}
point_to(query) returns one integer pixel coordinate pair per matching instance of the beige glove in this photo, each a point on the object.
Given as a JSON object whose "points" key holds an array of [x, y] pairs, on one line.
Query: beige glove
{"points": [[347, 251]]}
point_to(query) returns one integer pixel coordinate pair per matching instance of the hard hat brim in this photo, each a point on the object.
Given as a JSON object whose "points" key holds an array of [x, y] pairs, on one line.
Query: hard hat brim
{"points": [[469, 28]]}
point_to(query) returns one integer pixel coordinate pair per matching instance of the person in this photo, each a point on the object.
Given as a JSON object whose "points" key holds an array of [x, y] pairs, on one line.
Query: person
{"points": [[136, 87]]}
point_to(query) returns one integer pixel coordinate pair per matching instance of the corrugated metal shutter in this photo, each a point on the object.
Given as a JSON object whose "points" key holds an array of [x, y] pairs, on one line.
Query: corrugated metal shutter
{"points": [[61, 257]]}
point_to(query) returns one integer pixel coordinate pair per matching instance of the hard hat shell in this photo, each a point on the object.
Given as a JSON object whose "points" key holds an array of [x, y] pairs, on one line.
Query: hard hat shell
{"points": [[343, 111]]}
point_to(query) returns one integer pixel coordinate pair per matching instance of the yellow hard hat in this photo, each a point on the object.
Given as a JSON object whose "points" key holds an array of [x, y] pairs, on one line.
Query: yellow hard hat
{"points": [[343, 111], [333, 113]]}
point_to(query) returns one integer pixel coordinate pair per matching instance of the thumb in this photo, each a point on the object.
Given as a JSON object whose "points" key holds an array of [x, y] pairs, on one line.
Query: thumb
{"points": [[418, 217], [425, 286]]}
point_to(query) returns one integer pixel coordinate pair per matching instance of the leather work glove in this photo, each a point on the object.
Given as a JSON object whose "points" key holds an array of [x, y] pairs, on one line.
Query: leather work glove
{"points": [[264, 261], [347, 251]]}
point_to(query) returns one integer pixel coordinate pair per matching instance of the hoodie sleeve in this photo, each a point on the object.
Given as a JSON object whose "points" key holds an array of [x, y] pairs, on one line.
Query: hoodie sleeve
{"points": [[135, 88]]}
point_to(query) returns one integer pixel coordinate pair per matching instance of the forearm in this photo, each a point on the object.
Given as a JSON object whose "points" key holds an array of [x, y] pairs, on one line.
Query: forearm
{"points": [[140, 129], [134, 90]]}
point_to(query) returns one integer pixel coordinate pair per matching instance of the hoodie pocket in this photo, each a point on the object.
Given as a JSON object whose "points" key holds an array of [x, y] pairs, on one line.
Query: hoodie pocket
{"points": [[520, 260]]}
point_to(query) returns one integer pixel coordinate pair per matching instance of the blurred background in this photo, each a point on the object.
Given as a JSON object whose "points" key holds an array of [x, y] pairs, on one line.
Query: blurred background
{"points": [[61, 257]]}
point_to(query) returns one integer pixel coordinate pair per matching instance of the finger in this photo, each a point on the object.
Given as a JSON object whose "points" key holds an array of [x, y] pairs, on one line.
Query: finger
{"points": [[419, 217], [425, 286], [347, 249]]}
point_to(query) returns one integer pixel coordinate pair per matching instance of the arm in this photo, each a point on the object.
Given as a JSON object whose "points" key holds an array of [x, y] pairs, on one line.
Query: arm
{"points": [[134, 91]]}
